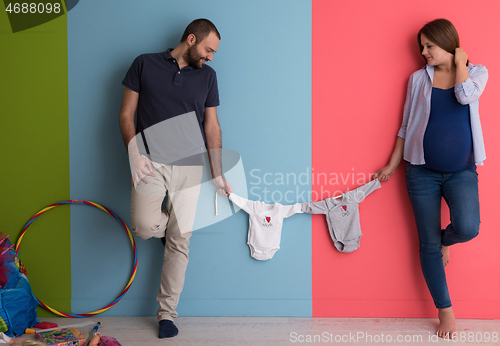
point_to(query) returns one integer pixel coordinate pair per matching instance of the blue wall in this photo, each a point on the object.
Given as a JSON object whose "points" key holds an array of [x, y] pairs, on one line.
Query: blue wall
{"points": [[264, 71]]}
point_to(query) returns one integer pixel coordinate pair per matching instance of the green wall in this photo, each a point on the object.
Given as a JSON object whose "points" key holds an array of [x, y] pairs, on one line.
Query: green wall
{"points": [[35, 153]]}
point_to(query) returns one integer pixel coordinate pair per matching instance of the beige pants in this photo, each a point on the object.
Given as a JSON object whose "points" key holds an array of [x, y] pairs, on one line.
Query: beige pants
{"points": [[175, 224]]}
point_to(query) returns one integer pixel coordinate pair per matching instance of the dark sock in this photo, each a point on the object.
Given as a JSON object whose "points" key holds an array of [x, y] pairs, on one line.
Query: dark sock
{"points": [[167, 329], [163, 240]]}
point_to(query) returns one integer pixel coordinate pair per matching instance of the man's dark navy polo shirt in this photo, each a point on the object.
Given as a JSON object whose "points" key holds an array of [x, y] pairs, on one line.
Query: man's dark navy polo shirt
{"points": [[165, 91]]}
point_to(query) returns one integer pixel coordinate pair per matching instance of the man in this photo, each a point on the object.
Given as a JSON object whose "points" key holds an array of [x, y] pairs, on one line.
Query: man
{"points": [[165, 88]]}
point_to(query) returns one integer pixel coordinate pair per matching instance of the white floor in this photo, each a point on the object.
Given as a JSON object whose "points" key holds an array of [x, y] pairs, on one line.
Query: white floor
{"points": [[263, 331]]}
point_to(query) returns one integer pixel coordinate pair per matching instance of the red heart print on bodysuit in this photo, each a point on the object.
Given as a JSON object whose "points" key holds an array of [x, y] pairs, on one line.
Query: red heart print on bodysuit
{"points": [[344, 207], [268, 219]]}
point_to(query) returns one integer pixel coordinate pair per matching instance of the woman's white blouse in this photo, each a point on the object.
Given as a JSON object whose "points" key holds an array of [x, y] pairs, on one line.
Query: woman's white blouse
{"points": [[418, 107]]}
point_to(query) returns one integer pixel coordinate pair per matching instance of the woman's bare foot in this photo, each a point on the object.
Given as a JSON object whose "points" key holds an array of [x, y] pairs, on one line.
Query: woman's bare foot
{"points": [[446, 323], [445, 250]]}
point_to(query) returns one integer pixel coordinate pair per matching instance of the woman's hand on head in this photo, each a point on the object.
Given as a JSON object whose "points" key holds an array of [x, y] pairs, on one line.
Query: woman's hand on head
{"points": [[460, 57]]}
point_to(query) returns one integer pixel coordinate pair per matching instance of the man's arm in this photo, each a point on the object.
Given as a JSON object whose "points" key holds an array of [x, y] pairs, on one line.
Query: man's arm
{"points": [[127, 116], [139, 165], [214, 146]]}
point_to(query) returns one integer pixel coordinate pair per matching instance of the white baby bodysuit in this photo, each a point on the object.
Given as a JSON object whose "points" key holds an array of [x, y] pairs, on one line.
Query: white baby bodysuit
{"points": [[265, 223]]}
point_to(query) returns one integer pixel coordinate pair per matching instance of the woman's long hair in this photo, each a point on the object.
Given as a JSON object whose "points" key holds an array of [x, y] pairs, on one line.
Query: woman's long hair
{"points": [[441, 32]]}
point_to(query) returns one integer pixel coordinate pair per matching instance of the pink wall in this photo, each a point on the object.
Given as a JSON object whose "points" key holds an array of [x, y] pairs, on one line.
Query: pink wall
{"points": [[363, 54]]}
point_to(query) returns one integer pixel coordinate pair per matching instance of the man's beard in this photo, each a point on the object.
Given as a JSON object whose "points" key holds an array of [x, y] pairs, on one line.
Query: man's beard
{"points": [[193, 58]]}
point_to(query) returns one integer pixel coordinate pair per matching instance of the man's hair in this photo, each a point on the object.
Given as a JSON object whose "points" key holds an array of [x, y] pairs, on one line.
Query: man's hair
{"points": [[442, 33], [200, 28]]}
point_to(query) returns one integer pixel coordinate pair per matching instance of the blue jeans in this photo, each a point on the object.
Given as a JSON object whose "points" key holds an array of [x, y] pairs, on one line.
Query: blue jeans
{"points": [[460, 191]]}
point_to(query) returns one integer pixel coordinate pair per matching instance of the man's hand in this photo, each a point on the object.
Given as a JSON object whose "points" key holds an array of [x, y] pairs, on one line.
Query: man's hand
{"points": [[140, 166], [223, 186]]}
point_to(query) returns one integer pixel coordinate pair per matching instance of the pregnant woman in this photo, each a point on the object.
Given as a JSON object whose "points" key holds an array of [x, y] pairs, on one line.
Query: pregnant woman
{"points": [[441, 141]]}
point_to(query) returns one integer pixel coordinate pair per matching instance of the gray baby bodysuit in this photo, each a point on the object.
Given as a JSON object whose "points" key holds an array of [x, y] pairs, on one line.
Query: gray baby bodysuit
{"points": [[342, 215]]}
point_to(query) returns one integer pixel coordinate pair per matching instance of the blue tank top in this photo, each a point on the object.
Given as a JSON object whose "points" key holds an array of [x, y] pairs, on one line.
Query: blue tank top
{"points": [[448, 136]]}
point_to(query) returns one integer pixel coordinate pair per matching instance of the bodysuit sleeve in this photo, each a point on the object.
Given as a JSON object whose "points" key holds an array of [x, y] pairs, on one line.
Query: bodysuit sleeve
{"points": [[315, 208], [289, 210], [243, 203], [361, 192]]}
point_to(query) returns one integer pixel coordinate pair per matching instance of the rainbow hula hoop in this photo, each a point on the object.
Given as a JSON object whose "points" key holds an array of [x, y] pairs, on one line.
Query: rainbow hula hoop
{"points": [[77, 201]]}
